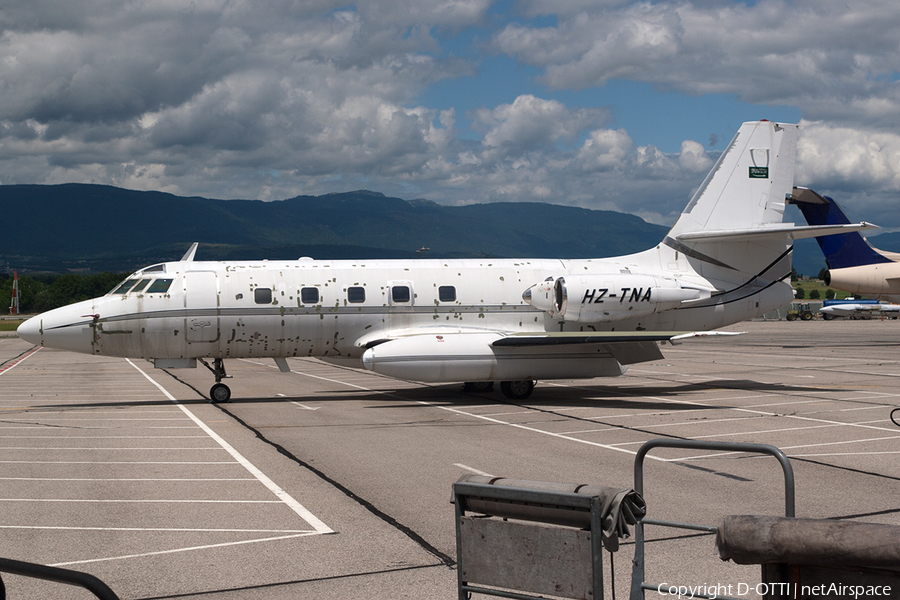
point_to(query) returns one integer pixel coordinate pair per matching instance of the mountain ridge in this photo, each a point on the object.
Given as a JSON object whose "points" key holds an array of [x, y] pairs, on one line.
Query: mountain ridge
{"points": [[90, 226]]}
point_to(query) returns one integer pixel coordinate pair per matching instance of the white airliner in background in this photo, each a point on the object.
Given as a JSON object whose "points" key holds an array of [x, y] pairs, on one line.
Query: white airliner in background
{"points": [[727, 259], [858, 308]]}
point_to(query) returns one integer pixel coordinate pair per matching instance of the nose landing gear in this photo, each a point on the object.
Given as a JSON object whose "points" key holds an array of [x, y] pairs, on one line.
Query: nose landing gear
{"points": [[219, 392]]}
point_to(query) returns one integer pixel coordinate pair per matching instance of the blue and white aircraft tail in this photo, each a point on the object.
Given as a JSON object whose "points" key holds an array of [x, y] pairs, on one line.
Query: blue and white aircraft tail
{"points": [[726, 259], [853, 265]]}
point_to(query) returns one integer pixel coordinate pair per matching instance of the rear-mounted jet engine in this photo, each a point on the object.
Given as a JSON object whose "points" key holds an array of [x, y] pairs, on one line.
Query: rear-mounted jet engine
{"points": [[607, 298]]}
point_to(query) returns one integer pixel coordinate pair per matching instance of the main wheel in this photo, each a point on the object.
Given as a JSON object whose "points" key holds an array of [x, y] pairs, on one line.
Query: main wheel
{"points": [[517, 390], [220, 393]]}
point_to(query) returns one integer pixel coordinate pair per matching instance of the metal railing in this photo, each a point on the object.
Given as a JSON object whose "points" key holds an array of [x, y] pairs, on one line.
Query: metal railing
{"points": [[66, 576], [638, 582]]}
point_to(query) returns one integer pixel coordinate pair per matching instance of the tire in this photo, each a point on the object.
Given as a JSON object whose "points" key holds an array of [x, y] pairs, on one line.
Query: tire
{"points": [[517, 390], [791, 317], [220, 393], [807, 316]]}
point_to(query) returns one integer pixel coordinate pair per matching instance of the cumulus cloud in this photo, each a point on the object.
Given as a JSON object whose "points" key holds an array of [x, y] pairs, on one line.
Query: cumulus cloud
{"points": [[834, 61], [859, 168], [254, 99]]}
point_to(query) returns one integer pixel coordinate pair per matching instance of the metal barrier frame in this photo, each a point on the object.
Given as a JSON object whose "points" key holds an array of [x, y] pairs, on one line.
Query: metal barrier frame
{"points": [[66, 576], [578, 502], [638, 583]]}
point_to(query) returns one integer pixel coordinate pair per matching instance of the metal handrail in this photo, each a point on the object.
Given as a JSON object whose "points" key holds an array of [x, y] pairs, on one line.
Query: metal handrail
{"points": [[638, 585], [66, 576]]}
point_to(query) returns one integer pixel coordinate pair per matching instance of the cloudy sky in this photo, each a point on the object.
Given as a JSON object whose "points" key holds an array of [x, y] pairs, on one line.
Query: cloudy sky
{"points": [[605, 104]]}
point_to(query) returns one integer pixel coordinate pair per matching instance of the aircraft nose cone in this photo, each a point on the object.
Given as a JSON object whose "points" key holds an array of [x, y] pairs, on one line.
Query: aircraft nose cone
{"points": [[30, 331], [66, 328]]}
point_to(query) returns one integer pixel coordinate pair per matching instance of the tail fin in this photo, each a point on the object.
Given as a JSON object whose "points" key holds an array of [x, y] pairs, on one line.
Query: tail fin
{"points": [[731, 231], [841, 250], [748, 185]]}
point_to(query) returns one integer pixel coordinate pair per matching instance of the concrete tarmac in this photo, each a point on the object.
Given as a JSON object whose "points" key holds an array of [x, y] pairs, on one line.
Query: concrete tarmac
{"points": [[334, 483]]}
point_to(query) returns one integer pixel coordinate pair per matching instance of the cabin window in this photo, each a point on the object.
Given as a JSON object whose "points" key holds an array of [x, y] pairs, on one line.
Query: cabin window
{"points": [[140, 286], [309, 295], [447, 293], [400, 293], [262, 295], [123, 289], [155, 269], [356, 294], [160, 286]]}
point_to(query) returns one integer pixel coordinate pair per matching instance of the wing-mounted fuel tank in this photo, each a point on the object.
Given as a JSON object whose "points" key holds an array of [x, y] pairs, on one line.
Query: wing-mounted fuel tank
{"points": [[607, 298]]}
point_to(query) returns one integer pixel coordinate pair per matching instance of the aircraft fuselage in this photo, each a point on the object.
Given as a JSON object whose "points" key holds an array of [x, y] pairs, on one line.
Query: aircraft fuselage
{"points": [[334, 308]]}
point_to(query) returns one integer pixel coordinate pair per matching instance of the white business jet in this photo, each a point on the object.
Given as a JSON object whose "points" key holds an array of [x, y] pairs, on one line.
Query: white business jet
{"points": [[858, 308], [478, 321]]}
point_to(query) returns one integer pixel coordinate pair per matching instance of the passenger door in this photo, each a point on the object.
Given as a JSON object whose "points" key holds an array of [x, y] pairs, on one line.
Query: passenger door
{"points": [[201, 303]]}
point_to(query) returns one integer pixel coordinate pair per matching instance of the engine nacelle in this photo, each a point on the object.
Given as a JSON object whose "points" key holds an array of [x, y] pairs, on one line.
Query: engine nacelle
{"points": [[607, 298]]}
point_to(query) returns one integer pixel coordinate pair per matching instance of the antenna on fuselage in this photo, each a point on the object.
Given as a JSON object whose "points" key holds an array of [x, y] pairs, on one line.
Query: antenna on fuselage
{"points": [[189, 255]]}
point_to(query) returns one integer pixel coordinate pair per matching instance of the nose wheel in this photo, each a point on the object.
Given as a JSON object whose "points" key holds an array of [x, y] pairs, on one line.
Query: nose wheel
{"points": [[219, 392]]}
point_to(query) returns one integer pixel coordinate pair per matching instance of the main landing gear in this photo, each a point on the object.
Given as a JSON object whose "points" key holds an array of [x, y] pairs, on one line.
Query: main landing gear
{"points": [[514, 390], [219, 392]]}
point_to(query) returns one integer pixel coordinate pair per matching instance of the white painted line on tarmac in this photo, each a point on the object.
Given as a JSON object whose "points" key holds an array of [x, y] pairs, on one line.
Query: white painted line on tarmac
{"points": [[591, 430], [111, 449], [253, 362], [477, 416], [172, 529], [861, 425], [191, 549], [785, 448], [286, 498], [118, 501], [131, 479], [102, 437], [472, 470], [117, 462], [842, 454], [18, 361], [891, 437], [787, 403]]}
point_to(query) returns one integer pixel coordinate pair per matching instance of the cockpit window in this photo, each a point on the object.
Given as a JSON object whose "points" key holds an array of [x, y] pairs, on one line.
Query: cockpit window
{"points": [[140, 286], [126, 285], [160, 286], [155, 269]]}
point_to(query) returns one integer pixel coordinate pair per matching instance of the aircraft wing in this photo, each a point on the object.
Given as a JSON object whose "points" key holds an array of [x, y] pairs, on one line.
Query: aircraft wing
{"points": [[603, 337], [627, 347]]}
